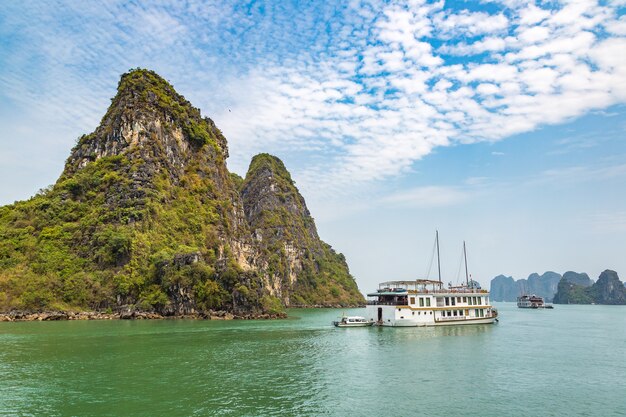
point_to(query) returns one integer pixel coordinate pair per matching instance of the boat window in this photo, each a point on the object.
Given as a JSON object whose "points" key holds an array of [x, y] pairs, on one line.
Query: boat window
{"points": [[447, 301], [458, 299], [465, 299], [412, 300], [454, 313], [480, 300], [421, 301], [453, 302], [428, 302], [476, 313], [469, 300]]}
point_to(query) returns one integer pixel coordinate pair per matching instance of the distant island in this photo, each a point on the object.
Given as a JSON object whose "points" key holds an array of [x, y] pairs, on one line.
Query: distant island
{"points": [[570, 288], [147, 218]]}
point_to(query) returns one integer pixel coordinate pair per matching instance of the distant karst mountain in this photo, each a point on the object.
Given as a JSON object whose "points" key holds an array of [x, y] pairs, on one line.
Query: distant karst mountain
{"points": [[581, 279], [608, 289], [146, 216], [571, 288], [505, 288]]}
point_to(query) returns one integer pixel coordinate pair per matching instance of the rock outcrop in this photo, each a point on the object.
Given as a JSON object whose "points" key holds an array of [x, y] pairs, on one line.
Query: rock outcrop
{"points": [[503, 288], [146, 217], [298, 267], [581, 279], [608, 289], [570, 293]]}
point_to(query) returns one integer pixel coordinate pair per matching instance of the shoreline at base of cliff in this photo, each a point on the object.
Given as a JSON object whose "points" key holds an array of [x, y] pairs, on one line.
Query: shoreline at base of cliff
{"points": [[13, 316]]}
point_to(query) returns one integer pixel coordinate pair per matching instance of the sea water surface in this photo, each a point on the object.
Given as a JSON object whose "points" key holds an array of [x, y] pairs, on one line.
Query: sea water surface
{"points": [[570, 361]]}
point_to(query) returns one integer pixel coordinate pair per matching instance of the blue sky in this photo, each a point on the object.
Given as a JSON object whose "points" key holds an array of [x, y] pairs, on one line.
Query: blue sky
{"points": [[499, 122]]}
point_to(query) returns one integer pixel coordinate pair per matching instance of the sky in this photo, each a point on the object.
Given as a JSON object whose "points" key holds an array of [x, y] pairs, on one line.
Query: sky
{"points": [[501, 123]]}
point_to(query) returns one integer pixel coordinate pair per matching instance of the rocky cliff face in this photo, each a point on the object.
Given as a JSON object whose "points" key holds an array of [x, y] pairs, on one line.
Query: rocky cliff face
{"points": [[544, 285], [298, 267], [581, 279], [569, 293], [146, 215], [503, 288], [608, 289]]}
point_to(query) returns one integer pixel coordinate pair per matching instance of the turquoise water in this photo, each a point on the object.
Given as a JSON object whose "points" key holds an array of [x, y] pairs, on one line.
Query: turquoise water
{"points": [[566, 361]]}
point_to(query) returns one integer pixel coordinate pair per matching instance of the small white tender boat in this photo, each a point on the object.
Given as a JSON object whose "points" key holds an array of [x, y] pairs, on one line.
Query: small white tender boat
{"points": [[353, 321]]}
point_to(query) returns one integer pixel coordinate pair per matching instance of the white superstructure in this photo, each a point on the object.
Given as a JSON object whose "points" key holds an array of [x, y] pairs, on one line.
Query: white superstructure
{"points": [[427, 303]]}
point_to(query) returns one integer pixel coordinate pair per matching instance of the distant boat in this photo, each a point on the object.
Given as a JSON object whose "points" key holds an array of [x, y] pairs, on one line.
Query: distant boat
{"points": [[353, 321], [532, 301]]}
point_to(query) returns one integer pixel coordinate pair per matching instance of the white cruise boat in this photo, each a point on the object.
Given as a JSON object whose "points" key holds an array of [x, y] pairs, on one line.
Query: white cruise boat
{"points": [[427, 303], [532, 301]]}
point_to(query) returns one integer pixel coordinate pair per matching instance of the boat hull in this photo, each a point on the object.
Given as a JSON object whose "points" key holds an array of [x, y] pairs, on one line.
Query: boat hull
{"points": [[410, 323], [404, 316], [485, 320], [537, 307]]}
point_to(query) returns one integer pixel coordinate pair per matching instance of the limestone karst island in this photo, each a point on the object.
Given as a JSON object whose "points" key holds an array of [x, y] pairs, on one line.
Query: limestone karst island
{"points": [[146, 220]]}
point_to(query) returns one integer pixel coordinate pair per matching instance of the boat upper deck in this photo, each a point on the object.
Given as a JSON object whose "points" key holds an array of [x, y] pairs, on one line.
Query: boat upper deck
{"points": [[421, 286]]}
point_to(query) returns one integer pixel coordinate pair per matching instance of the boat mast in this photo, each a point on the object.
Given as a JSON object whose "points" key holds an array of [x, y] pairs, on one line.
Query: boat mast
{"points": [[465, 256], [438, 261]]}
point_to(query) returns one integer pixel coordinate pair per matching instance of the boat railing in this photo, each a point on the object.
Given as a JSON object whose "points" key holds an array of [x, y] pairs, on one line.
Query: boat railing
{"points": [[449, 291], [387, 303]]}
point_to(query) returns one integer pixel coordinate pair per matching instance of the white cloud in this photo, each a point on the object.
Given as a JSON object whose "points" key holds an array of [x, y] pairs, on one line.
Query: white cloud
{"points": [[359, 101], [429, 196], [533, 34], [488, 44], [532, 15], [605, 221], [617, 27], [466, 23]]}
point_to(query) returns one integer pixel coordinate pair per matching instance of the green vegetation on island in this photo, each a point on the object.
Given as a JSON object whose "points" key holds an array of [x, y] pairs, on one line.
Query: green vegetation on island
{"points": [[146, 216], [311, 271], [608, 289]]}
